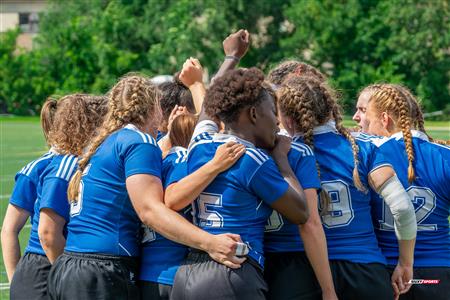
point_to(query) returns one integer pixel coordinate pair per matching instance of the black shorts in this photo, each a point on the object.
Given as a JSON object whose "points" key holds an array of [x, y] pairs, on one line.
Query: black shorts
{"points": [[200, 277], [440, 291], [289, 275], [30, 278], [154, 291], [361, 281], [93, 276]]}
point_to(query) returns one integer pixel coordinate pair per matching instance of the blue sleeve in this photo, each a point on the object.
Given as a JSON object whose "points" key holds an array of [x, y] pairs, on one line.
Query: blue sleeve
{"points": [[377, 159], [54, 196], [24, 193], [267, 182], [143, 158], [175, 174], [306, 172]]}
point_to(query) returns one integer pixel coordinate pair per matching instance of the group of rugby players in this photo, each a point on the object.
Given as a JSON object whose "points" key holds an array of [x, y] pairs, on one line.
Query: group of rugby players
{"points": [[250, 189]]}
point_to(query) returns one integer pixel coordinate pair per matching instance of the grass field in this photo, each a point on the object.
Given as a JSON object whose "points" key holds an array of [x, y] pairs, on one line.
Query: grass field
{"points": [[21, 141]]}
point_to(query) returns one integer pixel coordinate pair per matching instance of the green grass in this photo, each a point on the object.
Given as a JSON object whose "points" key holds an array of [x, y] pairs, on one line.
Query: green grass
{"points": [[21, 141]]}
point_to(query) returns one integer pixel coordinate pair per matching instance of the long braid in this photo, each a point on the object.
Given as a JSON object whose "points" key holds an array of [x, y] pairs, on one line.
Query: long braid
{"points": [[297, 99], [337, 116], [130, 101], [390, 98]]}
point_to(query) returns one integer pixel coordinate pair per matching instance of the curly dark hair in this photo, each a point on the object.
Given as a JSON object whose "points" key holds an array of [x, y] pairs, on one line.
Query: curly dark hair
{"points": [[174, 93], [233, 91]]}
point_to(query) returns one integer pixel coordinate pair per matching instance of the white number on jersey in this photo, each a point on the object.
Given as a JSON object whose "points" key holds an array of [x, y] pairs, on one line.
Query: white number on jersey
{"points": [[206, 210], [75, 207], [340, 212], [275, 222], [425, 202]]}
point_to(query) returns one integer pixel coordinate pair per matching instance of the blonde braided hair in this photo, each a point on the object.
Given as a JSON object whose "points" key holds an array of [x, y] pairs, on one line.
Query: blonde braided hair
{"points": [[390, 98], [310, 103], [132, 100]]}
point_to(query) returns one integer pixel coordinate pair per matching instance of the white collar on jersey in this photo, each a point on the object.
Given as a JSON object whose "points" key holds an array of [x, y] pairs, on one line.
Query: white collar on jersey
{"points": [[132, 127], [414, 133], [224, 138], [53, 150], [329, 126], [175, 149]]}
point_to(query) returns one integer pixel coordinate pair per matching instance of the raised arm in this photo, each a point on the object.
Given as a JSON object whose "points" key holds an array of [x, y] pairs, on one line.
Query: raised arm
{"points": [[235, 46]]}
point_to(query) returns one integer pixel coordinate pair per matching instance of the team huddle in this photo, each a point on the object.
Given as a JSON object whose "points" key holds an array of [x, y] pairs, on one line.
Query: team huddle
{"points": [[251, 188]]}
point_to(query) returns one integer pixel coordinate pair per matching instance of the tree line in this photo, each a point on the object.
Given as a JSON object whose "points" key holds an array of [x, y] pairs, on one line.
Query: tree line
{"points": [[86, 45]]}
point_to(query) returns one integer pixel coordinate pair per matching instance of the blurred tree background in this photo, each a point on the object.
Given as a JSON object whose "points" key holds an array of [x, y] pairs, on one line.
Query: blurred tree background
{"points": [[85, 45]]}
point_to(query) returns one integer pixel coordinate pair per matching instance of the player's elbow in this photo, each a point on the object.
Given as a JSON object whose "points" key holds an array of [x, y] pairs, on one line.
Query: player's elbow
{"points": [[301, 216], [47, 237], [314, 223]]}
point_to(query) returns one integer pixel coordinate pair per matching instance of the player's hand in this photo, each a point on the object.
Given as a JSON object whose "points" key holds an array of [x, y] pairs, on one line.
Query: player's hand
{"points": [[227, 155], [192, 72], [176, 111], [222, 248], [236, 44], [282, 146], [400, 279]]}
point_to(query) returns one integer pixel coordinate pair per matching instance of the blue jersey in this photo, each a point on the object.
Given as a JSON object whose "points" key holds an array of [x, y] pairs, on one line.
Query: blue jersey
{"points": [[52, 194], [103, 219], [24, 193], [238, 200], [430, 195], [161, 257], [347, 223], [282, 235]]}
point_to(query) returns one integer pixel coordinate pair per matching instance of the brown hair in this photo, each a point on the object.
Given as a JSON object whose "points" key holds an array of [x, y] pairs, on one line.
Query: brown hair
{"points": [[47, 115], [397, 102], [132, 100], [174, 93], [75, 122], [182, 129], [310, 103], [286, 69]]}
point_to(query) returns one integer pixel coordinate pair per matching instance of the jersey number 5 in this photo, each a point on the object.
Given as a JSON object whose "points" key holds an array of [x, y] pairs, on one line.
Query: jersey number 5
{"points": [[205, 210]]}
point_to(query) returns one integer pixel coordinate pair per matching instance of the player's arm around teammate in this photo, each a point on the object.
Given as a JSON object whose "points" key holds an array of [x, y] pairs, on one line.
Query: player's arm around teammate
{"points": [[117, 184], [21, 203]]}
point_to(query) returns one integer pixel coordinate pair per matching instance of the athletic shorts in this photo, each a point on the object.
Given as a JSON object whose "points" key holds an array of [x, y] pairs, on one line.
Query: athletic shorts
{"points": [[200, 277], [30, 278], [429, 290], [289, 275], [154, 290], [93, 276], [361, 281]]}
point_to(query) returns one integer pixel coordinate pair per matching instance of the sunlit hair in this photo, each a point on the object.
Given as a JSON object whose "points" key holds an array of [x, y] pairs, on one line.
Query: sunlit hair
{"points": [[182, 129], [47, 116], [392, 99], [75, 122], [289, 68], [310, 103], [133, 100]]}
